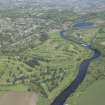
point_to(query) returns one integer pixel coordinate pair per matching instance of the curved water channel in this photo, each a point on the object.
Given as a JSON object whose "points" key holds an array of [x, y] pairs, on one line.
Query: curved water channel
{"points": [[62, 97]]}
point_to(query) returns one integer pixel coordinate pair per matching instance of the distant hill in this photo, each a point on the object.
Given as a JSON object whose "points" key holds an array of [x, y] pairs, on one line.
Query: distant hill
{"points": [[76, 5]]}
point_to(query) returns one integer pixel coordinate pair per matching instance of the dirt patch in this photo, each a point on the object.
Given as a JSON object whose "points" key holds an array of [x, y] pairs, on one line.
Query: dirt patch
{"points": [[18, 98]]}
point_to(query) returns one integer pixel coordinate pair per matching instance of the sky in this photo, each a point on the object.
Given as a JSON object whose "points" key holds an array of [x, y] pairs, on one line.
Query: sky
{"points": [[69, 3]]}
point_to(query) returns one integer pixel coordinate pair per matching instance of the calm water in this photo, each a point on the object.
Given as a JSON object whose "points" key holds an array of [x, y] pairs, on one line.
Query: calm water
{"points": [[83, 25]]}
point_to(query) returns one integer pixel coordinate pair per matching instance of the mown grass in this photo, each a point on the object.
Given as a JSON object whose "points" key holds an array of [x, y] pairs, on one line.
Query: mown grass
{"points": [[94, 95]]}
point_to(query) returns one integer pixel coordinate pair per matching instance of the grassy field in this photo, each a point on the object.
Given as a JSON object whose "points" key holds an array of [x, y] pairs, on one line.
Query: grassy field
{"points": [[94, 95]]}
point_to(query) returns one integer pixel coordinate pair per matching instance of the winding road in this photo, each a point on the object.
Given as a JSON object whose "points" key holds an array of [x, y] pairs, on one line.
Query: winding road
{"points": [[62, 97]]}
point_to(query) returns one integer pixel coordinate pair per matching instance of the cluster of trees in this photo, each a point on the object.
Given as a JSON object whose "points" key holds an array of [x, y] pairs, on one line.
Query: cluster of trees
{"points": [[48, 78]]}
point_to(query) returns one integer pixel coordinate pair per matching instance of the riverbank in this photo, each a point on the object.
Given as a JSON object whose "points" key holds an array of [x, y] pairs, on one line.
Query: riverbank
{"points": [[62, 97]]}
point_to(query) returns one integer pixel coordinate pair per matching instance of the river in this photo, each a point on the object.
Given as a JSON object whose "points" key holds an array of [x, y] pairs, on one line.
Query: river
{"points": [[62, 97]]}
